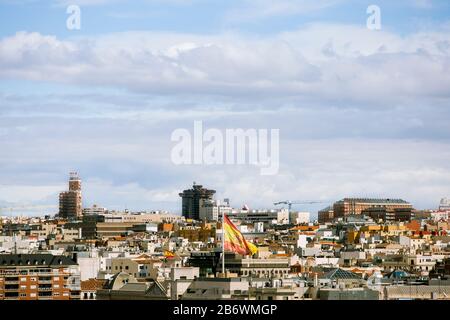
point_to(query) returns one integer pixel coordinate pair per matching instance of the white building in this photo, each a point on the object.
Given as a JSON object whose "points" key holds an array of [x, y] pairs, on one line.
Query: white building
{"points": [[89, 267], [297, 217], [440, 215], [94, 211], [180, 280], [413, 243], [280, 216], [444, 205], [303, 239], [212, 210]]}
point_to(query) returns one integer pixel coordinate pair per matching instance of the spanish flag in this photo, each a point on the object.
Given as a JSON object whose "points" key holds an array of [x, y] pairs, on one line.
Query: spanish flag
{"points": [[168, 254], [235, 241]]}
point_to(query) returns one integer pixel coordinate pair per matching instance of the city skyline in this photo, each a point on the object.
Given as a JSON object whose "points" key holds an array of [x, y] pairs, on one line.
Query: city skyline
{"points": [[45, 208], [360, 112]]}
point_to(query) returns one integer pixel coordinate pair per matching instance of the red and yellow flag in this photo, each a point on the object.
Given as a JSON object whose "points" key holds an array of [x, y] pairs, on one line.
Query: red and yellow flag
{"points": [[168, 254], [235, 241]]}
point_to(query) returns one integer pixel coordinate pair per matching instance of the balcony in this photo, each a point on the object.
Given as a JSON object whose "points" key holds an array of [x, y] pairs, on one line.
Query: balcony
{"points": [[45, 281], [11, 278]]}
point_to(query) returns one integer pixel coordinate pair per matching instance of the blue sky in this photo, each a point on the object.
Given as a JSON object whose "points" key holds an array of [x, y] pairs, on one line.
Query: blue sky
{"points": [[360, 112], [201, 16]]}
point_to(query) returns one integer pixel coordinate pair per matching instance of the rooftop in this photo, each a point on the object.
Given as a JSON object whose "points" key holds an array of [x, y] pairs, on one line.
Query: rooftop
{"points": [[338, 273], [9, 260], [372, 200]]}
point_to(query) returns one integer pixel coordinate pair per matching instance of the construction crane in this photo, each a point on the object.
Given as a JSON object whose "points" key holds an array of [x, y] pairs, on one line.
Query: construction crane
{"points": [[290, 203]]}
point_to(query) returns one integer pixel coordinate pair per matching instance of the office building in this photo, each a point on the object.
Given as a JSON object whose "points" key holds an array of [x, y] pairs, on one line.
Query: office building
{"points": [[355, 206], [191, 200]]}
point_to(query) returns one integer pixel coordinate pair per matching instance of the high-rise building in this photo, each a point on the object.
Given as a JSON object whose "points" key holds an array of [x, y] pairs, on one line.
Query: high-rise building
{"points": [[191, 200], [70, 201]]}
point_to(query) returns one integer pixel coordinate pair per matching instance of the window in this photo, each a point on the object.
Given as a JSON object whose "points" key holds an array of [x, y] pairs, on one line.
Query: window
{"points": [[23, 295], [126, 268], [23, 287], [23, 279], [56, 286], [55, 278]]}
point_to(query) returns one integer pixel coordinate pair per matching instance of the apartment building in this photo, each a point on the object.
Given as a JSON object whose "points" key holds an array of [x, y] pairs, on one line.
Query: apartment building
{"points": [[38, 277]]}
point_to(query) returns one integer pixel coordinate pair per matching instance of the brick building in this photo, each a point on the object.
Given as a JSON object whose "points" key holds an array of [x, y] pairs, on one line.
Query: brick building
{"points": [[356, 206], [70, 201], [38, 277]]}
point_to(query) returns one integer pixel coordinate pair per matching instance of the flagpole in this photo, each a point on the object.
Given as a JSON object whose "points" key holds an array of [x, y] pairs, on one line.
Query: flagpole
{"points": [[223, 243]]}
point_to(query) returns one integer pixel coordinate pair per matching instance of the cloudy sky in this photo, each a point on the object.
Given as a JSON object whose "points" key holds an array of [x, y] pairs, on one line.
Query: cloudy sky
{"points": [[360, 112]]}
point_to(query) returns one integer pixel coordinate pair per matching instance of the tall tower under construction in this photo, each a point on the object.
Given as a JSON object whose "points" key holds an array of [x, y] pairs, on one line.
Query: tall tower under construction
{"points": [[70, 201]]}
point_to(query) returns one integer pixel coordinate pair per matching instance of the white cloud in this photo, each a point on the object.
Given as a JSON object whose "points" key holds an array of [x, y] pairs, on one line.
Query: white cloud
{"points": [[320, 61], [23, 194], [349, 103]]}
